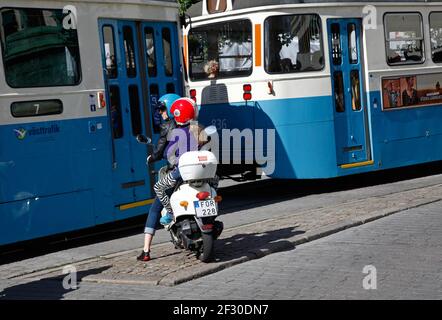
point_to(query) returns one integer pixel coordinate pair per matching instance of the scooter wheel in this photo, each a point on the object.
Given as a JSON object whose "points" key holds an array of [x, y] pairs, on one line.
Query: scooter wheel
{"points": [[206, 253]]}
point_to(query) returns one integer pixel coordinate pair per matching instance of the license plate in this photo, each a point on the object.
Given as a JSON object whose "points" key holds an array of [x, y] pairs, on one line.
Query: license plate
{"points": [[206, 209]]}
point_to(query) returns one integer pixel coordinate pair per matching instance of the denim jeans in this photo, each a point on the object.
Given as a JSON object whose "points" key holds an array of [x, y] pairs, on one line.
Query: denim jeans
{"points": [[154, 216]]}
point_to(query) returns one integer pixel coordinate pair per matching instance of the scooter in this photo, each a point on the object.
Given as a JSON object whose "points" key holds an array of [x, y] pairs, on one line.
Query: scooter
{"points": [[195, 204]]}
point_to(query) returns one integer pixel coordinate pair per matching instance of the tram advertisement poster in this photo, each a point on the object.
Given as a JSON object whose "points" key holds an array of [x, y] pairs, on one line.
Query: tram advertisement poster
{"points": [[411, 91]]}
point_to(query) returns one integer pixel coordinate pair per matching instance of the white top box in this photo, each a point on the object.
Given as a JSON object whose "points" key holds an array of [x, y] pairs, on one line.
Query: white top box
{"points": [[198, 165]]}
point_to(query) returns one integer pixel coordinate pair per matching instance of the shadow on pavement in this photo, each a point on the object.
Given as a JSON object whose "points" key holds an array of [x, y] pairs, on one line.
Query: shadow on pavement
{"points": [[242, 245], [45, 289]]}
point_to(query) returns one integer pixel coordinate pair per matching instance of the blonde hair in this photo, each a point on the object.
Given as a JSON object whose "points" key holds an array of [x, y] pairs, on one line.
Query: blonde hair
{"points": [[212, 67], [198, 132]]}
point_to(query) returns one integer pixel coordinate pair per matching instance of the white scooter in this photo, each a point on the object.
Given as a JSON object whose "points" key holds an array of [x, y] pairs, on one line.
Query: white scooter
{"points": [[195, 204]]}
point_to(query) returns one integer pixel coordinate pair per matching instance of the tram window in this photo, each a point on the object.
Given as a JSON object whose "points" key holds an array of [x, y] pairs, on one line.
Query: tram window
{"points": [[404, 38], [356, 104], [109, 49], [150, 52], [116, 115], [222, 50], [129, 50], [36, 108], [436, 36], [167, 48], [352, 44], [339, 91], [293, 44], [154, 92], [170, 88], [37, 50], [336, 44], [135, 112]]}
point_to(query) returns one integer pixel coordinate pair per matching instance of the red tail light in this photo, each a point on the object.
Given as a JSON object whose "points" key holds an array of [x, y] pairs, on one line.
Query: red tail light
{"points": [[247, 92], [203, 195], [247, 96], [207, 227], [193, 94]]}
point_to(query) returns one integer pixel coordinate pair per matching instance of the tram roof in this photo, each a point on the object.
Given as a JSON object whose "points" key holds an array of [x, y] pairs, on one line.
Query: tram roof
{"points": [[196, 9]]}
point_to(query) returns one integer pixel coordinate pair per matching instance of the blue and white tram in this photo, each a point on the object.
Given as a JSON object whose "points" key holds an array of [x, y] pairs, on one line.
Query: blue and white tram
{"points": [[349, 87], [77, 84]]}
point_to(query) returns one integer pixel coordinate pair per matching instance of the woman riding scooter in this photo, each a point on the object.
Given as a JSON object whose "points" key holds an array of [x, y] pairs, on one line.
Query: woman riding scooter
{"points": [[181, 138], [166, 125]]}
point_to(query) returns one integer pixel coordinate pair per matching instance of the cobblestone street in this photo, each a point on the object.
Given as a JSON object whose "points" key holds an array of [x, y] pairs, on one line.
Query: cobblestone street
{"points": [[402, 240]]}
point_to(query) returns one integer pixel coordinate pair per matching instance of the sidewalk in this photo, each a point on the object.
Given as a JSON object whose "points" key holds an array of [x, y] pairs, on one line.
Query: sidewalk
{"points": [[240, 244]]}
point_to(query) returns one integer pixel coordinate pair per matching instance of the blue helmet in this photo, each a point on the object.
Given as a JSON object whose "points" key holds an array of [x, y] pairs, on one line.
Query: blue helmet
{"points": [[167, 101]]}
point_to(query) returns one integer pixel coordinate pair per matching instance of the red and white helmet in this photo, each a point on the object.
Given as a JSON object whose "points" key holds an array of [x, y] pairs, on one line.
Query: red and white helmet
{"points": [[184, 111]]}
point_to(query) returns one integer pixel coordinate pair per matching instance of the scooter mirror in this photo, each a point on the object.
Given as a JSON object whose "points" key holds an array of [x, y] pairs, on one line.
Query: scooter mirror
{"points": [[210, 131], [143, 139]]}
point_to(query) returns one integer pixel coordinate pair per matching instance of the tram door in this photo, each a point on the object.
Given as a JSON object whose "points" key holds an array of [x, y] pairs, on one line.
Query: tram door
{"points": [[134, 81], [345, 43]]}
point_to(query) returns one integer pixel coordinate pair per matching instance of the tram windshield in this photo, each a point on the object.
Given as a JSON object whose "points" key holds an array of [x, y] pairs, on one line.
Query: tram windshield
{"points": [[227, 46]]}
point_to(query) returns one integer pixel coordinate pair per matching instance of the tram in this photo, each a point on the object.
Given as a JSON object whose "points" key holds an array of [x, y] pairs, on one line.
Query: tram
{"points": [[78, 82], [347, 86]]}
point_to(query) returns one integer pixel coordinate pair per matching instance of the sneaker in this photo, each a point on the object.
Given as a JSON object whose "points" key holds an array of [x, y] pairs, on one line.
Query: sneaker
{"points": [[166, 220], [144, 256]]}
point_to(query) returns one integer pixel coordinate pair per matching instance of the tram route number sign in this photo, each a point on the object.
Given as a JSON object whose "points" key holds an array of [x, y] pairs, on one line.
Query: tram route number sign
{"points": [[216, 6]]}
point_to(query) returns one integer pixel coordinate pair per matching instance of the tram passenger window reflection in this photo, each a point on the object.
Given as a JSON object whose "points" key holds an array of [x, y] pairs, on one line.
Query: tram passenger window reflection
{"points": [[154, 92], [336, 44], [150, 52], [229, 44], [339, 91], [109, 49], [352, 44], [436, 36], [116, 117], [135, 111], [129, 50], [53, 60], [167, 48], [404, 38], [355, 91], [293, 44]]}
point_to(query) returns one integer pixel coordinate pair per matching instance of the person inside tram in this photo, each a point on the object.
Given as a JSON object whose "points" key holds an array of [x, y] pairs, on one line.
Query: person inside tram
{"points": [[212, 69], [182, 134]]}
